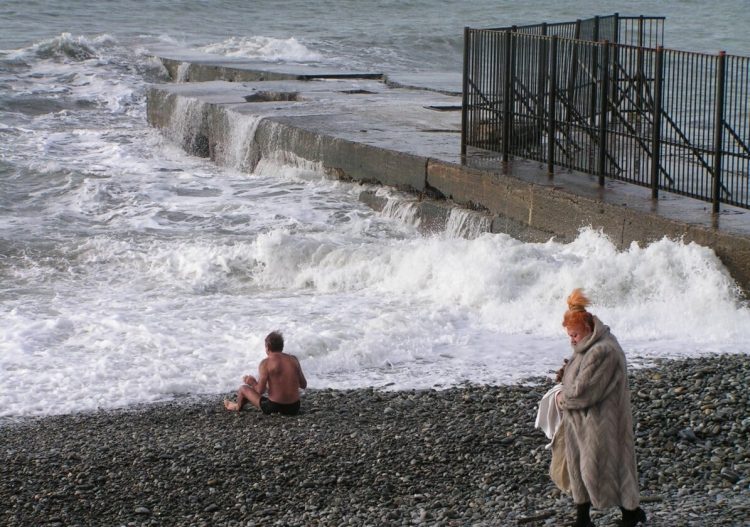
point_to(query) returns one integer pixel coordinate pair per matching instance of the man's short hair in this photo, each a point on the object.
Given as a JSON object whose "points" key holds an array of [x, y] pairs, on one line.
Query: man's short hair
{"points": [[275, 341]]}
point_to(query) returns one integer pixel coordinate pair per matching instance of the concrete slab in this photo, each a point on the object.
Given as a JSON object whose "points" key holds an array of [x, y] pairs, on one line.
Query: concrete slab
{"points": [[447, 82], [359, 129], [187, 66], [367, 130], [192, 66]]}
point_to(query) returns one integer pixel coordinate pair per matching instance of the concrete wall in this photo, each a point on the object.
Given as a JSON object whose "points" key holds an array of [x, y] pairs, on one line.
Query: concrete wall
{"points": [[548, 210], [526, 210]]}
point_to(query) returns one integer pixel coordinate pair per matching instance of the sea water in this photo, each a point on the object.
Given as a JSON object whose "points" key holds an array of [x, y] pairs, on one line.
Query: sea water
{"points": [[132, 272]]}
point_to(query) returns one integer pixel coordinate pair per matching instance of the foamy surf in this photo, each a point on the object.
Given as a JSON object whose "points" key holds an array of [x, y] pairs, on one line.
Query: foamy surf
{"points": [[133, 272], [264, 48], [140, 320]]}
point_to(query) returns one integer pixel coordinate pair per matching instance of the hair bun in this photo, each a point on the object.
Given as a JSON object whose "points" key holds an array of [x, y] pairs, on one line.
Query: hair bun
{"points": [[577, 301]]}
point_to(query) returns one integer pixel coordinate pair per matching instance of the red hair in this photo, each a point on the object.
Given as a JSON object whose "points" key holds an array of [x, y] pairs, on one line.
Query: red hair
{"points": [[576, 315]]}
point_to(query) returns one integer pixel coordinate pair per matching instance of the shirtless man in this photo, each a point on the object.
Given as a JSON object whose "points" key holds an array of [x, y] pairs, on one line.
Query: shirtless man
{"points": [[280, 376]]}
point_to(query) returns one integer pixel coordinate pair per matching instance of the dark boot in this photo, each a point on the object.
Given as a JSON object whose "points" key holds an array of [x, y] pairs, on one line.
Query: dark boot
{"points": [[631, 518], [582, 516]]}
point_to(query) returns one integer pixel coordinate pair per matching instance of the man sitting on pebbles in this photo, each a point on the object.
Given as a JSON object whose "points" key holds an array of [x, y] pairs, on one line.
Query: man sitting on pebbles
{"points": [[280, 375]]}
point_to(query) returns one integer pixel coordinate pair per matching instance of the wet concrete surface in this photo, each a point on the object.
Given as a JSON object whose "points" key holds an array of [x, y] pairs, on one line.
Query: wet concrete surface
{"points": [[404, 131]]}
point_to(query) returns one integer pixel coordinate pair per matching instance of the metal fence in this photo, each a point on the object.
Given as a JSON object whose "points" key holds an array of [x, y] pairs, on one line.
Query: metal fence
{"points": [[634, 30], [669, 120]]}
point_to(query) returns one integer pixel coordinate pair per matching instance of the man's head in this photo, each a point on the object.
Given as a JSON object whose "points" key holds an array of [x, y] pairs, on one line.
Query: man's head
{"points": [[275, 341]]}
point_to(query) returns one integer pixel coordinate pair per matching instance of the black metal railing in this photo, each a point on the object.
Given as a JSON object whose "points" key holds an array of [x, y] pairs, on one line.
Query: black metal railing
{"points": [[626, 108], [633, 30]]}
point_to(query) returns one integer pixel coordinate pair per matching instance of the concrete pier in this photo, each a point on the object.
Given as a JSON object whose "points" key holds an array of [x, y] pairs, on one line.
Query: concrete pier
{"points": [[405, 133]]}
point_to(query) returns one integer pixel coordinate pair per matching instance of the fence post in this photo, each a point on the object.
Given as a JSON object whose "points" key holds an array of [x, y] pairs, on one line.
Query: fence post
{"points": [[615, 57], [656, 119], [542, 68], [718, 129], [551, 131], [640, 77], [507, 97], [573, 73], [640, 31], [465, 93], [603, 121], [594, 76]]}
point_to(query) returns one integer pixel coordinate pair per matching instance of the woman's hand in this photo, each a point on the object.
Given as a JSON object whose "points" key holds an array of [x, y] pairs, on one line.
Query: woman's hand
{"points": [[559, 374], [559, 399]]}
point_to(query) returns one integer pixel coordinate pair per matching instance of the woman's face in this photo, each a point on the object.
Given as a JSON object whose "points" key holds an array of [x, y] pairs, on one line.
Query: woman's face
{"points": [[577, 333]]}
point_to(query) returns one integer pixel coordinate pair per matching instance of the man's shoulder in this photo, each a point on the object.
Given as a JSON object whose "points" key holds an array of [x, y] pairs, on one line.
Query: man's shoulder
{"points": [[286, 356]]}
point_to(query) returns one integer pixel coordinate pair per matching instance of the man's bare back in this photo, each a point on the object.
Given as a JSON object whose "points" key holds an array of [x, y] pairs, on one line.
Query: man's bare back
{"points": [[280, 380], [284, 376]]}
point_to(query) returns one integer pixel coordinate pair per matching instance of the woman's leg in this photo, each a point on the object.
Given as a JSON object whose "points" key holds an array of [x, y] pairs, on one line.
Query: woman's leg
{"points": [[631, 518], [583, 518]]}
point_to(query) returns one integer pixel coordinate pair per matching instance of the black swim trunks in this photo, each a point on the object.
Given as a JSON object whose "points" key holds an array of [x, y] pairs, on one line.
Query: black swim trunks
{"points": [[269, 407]]}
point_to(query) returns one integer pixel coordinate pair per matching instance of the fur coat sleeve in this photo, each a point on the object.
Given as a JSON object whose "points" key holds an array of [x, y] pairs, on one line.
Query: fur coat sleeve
{"points": [[598, 423]]}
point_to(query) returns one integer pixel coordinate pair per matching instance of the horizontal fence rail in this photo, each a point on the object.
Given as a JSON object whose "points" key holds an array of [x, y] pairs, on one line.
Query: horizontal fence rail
{"points": [[665, 119]]}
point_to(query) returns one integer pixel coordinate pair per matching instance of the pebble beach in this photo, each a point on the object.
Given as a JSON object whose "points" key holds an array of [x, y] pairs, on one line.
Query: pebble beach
{"points": [[464, 456]]}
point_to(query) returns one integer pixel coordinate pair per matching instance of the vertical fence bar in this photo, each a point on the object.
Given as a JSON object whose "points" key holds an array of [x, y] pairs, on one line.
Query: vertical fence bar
{"points": [[573, 73], [640, 75], [615, 57], [491, 120], [476, 108], [543, 68], [656, 120], [464, 93], [718, 129], [603, 121], [507, 97], [551, 114], [486, 121], [594, 72]]}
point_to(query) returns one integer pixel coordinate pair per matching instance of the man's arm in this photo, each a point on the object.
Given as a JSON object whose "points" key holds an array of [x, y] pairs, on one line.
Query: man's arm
{"points": [[302, 380], [262, 385]]}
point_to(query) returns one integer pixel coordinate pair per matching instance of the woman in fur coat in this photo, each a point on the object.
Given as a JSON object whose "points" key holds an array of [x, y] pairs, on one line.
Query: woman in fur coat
{"points": [[598, 421]]}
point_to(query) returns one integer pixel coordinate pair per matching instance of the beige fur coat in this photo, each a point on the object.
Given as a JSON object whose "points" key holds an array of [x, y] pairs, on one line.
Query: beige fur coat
{"points": [[598, 423]]}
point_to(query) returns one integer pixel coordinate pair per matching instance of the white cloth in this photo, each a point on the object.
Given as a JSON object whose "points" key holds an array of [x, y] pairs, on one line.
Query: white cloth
{"points": [[549, 417]]}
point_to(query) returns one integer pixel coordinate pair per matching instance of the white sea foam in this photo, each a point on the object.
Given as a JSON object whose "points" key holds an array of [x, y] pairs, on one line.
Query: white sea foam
{"points": [[182, 72], [264, 48], [241, 131], [137, 322], [464, 223], [132, 272], [399, 207], [182, 268]]}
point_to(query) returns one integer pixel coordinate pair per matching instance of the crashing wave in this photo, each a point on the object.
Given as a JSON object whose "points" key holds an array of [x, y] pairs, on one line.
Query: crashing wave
{"points": [[264, 48], [77, 48]]}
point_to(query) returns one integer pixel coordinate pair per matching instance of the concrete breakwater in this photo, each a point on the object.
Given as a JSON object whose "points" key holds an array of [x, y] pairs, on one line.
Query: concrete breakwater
{"points": [[406, 135]]}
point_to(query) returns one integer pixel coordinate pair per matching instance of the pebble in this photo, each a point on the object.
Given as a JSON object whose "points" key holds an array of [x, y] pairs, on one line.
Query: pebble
{"points": [[464, 456]]}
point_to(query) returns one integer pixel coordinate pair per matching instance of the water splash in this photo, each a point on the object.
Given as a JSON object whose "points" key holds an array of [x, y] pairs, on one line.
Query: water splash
{"points": [[464, 223], [186, 125], [239, 151], [405, 211], [264, 48], [183, 70]]}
